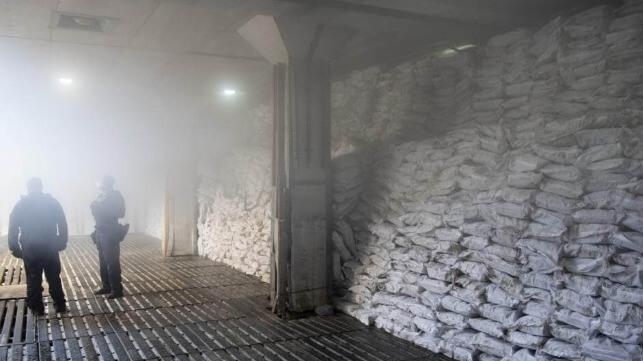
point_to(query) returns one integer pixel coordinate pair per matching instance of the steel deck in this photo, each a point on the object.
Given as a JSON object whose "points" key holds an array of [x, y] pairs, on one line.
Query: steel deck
{"points": [[181, 308]]}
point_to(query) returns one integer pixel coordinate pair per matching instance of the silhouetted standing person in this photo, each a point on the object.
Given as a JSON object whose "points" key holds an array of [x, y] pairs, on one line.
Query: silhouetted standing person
{"points": [[37, 232], [107, 209]]}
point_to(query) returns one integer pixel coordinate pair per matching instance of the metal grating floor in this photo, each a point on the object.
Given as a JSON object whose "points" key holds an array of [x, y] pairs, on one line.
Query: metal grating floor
{"points": [[185, 308]]}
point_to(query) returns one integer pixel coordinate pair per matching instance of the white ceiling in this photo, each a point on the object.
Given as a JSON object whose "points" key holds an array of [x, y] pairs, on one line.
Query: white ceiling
{"points": [[198, 26]]}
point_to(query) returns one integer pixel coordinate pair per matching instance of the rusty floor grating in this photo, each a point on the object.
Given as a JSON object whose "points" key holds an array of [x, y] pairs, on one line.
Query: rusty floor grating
{"points": [[186, 308]]}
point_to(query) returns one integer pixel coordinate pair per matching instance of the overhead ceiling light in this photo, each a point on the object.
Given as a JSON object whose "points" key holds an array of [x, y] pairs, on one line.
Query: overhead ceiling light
{"points": [[447, 52], [465, 47], [450, 51], [229, 92], [66, 81]]}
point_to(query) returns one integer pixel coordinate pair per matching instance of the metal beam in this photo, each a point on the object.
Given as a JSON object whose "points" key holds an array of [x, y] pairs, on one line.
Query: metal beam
{"points": [[425, 11], [498, 14]]}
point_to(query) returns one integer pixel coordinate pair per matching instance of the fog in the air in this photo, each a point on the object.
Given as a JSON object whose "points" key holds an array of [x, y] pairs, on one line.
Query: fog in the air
{"points": [[72, 113]]}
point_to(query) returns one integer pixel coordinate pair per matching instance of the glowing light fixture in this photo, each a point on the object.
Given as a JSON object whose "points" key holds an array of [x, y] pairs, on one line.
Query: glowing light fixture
{"points": [[447, 52], [454, 50], [229, 92], [465, 47], [66, 81]]}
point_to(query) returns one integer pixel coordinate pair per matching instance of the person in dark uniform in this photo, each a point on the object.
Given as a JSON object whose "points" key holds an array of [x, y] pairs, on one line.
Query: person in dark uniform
{"points": [[37, 232], [107, 209]]}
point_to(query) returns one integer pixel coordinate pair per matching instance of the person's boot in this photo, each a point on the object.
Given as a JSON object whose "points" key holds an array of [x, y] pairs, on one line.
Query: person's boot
{"points": [[115, 294], [37, 309], [102, 291], [60, 307]]}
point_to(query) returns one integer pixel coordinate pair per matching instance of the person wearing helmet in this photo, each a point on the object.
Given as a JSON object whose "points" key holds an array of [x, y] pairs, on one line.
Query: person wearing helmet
{"points": [[107, 209], [37, 232]]}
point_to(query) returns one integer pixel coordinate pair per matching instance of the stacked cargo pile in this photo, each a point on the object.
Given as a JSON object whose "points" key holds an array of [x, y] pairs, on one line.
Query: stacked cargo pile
{"points": [[624, 59], [448, 91], [581, 60], [234, 213], [234, 194], [353, 101], [545, 75], [372, 105], [393, 103], [351, 174], [519, 239], [408, 101], [465, 246], [425, 72], [505, 78]]}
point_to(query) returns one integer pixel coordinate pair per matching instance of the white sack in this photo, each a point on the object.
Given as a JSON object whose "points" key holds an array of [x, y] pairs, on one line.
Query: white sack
{"points": [[498, 296], [632, 334], [526, 163], [557, 220], [475, 243], [623, 313], [603, 348], [487, 326], [433, 285], [571, 190], [453, 319], [569, 334], [557, 203], [430, 327], [504, 315], [562, 349], [493, 346], [622, 293], [562, 172], [583, 304], [585, 285], [460, 307], [576, 319], [528, 180], [525, 340], [558, 155]]}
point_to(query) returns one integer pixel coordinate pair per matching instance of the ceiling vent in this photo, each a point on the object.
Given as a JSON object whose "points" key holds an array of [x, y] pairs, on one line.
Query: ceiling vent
{"points": [[96, 24]]}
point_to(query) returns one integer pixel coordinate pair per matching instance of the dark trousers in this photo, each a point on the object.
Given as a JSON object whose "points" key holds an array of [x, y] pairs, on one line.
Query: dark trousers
{"points": [[36, 262], [109, 254]]}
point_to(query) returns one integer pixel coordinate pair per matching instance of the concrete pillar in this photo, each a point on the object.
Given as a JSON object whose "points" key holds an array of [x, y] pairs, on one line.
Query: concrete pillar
{"points": [[308, 122], [301, 50]]}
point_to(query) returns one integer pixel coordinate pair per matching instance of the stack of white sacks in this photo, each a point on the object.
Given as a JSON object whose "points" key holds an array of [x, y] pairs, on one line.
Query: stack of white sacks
{"points": [[392, 104], [447, 86], [504, 78], [351, 174], [372, 105], [467, 246], [520, 239], [235, 212], [353, 101], [234, 194], [409, 100]]}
